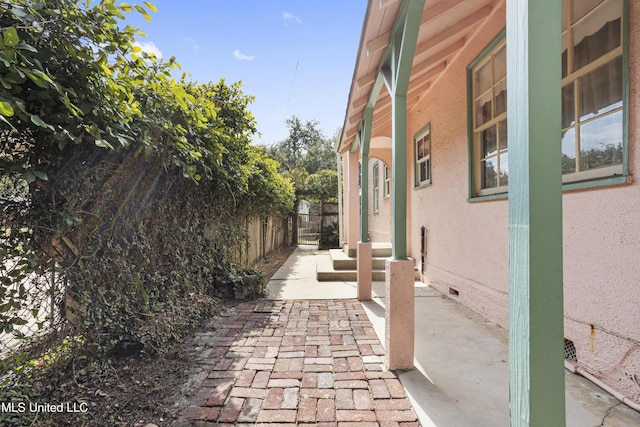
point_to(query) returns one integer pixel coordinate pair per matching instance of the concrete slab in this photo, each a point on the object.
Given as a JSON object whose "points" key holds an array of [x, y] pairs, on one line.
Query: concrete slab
{"points": [[296, 279], [462, 373], [461, 376]]}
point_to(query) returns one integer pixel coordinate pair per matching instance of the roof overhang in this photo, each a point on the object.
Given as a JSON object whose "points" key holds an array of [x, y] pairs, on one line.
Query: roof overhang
{"points": [[445, 28]]}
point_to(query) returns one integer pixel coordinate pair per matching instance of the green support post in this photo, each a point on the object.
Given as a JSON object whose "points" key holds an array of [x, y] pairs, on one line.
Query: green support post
{"points": [[536, 345], [364, 196], [396, 71]]}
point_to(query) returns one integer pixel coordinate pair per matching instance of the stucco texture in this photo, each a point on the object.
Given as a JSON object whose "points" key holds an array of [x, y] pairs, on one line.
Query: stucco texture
{"points": [[467, 241]]}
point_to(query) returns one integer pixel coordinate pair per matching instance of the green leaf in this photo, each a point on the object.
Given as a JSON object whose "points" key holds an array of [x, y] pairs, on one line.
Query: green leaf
{"points": [[11, 38], [144, 12], [6, 109], [41, 175], [152, 7], [25, 46], [102, 143], [36, 120], [126, 7]]}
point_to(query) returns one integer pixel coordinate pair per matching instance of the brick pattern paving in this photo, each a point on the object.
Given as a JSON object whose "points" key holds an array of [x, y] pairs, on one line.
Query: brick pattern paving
{"points": [[313, 362]]}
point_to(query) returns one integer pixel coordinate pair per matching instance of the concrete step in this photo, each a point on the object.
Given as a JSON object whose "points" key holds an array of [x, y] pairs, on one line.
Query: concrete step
{"points": [[343, 262], [338, 266]]}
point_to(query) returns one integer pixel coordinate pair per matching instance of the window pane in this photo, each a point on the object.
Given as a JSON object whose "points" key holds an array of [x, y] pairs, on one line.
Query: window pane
{"points": [[597, 34], [500, 65], [601, 142], [568, 113], [489, 173], [502, 135], [482, 81], [488, 142], [581, 7], [565, 57], [501, 97], [601, 90], [427, 145], [569, 151], [423, 172], [504, 169], [420, 148], [483, 109]]}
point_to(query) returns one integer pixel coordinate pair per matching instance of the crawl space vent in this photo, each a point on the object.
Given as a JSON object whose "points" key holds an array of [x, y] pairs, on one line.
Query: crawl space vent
{"points": [[570, 350]]}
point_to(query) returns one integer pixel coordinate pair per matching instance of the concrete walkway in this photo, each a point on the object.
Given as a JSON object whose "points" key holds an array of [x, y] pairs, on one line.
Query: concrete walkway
{"points": [[311, 354]]}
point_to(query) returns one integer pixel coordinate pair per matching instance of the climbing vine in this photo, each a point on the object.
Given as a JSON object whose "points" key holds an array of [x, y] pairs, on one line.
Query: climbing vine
{"points": [[135, 181]]}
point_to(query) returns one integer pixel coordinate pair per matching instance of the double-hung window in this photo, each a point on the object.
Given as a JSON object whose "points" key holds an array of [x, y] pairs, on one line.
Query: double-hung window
{"points": [[592, 89], [386, 186], [593, 82], [423, 157], [489, 104], [376, 187]]}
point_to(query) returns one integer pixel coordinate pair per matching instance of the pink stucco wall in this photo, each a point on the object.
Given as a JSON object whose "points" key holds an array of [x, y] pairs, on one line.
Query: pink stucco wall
{"points": [[380, 222], [468, 241]]}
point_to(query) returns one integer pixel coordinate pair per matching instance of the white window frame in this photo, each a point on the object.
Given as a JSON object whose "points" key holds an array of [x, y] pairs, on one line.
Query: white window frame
{"points": [[386, 186], [422, 157], [376, 187]]}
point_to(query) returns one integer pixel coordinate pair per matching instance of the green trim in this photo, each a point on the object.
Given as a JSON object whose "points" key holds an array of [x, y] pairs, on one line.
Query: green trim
{"points": [[487, 50], [602, 182], [582, 185], [499, 196], [396, 70]]}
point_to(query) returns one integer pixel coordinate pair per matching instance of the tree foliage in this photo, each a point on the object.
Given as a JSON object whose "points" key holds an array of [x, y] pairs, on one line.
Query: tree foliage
{"points": [[308, 159], [127, 175], [306, 147]]}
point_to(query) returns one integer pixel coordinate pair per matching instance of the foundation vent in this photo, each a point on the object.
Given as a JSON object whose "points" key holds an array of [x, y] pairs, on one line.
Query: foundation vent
{"points": [[570, 351]]}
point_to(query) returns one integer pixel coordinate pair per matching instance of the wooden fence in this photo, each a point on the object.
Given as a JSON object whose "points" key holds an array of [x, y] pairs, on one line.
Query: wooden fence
{"points": [[265, 235]]}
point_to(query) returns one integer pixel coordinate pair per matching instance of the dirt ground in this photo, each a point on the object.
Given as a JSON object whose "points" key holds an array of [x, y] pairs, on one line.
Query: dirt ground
{"points": [[135, 391]]}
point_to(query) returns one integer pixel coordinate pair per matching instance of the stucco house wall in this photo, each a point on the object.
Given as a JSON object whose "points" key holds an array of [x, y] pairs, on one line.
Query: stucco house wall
{"points": [[379, 222], [467, 241]]}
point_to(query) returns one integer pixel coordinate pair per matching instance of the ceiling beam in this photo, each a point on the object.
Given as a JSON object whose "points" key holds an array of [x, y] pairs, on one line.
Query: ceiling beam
{"points": [[438, 9], [378, 43], [439, 56], [367, 80], [427, 77], [452, 31]]}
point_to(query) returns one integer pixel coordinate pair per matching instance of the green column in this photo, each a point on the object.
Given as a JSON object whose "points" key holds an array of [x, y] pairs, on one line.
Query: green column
{"points": [[364, 195], [536, 345], [396, 70]]}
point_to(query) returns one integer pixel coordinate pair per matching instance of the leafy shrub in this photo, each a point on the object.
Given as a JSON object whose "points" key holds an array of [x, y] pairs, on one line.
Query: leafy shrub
{"points": [[330, 237]]}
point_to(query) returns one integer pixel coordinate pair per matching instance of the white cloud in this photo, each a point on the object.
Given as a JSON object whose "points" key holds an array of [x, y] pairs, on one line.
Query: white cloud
{"points": [[150, 47], [286, 16], [241, 56]]}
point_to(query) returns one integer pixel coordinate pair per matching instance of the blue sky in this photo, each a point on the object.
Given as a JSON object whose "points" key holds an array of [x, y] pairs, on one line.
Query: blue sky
{"points": [[296, 57]]}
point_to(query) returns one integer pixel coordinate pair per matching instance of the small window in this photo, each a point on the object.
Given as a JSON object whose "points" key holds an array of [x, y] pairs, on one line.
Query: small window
{"points": [[423, 157], [386, 187], [376, 187]]}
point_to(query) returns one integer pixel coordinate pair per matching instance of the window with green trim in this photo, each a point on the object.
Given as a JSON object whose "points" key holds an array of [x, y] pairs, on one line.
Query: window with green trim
{"points": [[490, 148], [592, 89], [593, 145], [376, 187], [386, 186], [422, 152]]}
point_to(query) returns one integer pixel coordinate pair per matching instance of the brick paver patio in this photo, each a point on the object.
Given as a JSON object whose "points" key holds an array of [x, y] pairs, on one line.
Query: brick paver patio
{"points": [[313, 362]]}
